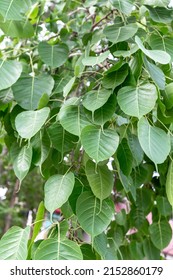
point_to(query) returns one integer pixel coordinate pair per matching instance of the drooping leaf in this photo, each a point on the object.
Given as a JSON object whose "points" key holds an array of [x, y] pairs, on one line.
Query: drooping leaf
{"points": [[28, 123], [73, 119], [22, 162], [158, 3], [154, 141], [160, 14], [168, 96], [120, 34], [94, 216], [115, 78], [169, 184], [99, 144], [53, 55], [100, 179], [10, 72], [137, 101], [57, 190], [68, 87], [6, 95], [19, 29], [125, 157], [95, 99], [29, 90], [54, 249], [159, 56], [150, 251], [161, 234], [162, 43], [13, 244], [14, 9], [125, 7], [135, 148]]}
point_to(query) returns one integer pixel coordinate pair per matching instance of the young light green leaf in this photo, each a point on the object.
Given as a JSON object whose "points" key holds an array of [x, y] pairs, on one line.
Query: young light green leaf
{"points": [[57, 190], [96, 98], [54, 249], [22, 162], [93, 60], [99, 144], [53, 55], [137, 101], [10, 72], [169, 184], [28, 123], [154, 141], [120, 34], [14, 9], [13, 244], [100, 179], [94, 216], [159, 56]]}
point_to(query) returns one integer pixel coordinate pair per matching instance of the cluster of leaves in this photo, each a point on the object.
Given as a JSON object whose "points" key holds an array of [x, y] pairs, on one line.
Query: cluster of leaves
{"points": [[86, 97]]}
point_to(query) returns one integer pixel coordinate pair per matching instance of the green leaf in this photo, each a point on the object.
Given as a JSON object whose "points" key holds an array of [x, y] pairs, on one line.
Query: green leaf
{"points": [[100, 179], [28, 123], [53, 55], [120, 34], [115, 78], [164, 206], [38, 221], [13, 244], [161, 234], [99, 144], [159, 56], [160, 14], [14, 9], [135, 148], [61, 140], [168, 96], [169, 184], [73, 119], [137, 101], [125, 157], [154, 141], [19, 29], [61, 82], [93, 60], [10, 72], [95, 99], [29, 90], [57, 190], [155, 73], [6, 96], [68, 87], [22, 162], [158, 3], [94, 216], [125, 7], [54, 249], [162, 43], [150, 251]]}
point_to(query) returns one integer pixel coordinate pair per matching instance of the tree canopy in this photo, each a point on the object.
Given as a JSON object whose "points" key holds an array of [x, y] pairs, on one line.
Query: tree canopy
{"points": [[86, 102]]}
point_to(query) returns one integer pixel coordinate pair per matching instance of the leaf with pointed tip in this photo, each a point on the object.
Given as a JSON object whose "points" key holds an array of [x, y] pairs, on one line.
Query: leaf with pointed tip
{"points": [[54, 249], [120, 34], [28, 123], [94, 216], [154, 141], [99, 144], [22, 162], [95, 99], [53, 55], [159, 56], [57, 190], [100, 179], [10, 72], [13, 244], [137, 101], [29, 90]]}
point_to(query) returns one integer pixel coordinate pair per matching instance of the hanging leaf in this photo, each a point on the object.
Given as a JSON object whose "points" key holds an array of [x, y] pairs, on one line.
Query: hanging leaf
{"points": [[169, 184], [13, 244], [28, 123], [150, 251], [161, 234], [99, 144], [22, 162], [68, 87], [159, 56], [94, 216], [135, 148], [95, 99], [156, 74], [14, 9], [61, 82], [20, 29], [137, 101], [29, 90], [57, 190], [100, 179], [93, 60], [10, 72], [53, 55], [73, 119], [168, 96], [164, 207], [162, 43], [115, 78], [6, 95], [125, 7], [160, 14], [125, 157], [158, 3], [154, 141], [120, 34], [54, 249]]}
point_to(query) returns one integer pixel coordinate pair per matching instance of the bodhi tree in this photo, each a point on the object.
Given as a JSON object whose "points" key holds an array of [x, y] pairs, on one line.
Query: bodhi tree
{"points": [[86, 97]]}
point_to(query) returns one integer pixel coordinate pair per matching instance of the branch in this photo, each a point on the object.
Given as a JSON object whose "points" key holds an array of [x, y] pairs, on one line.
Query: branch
{"points": [[102, 19]]}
